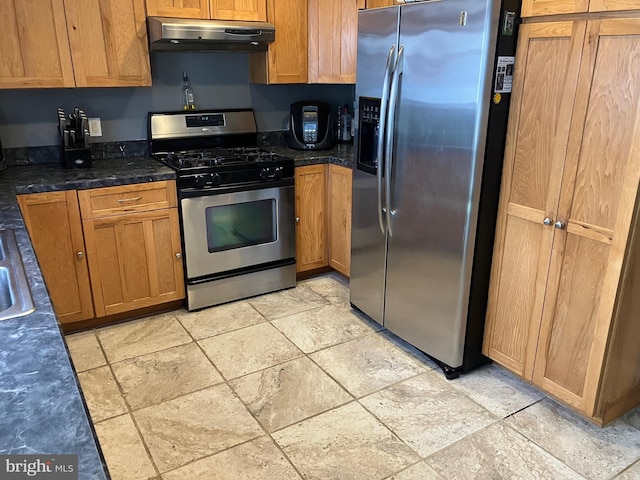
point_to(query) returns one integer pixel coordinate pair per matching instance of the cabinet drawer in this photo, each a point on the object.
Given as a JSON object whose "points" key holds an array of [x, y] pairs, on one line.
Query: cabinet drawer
{"points": [[108, 201]]}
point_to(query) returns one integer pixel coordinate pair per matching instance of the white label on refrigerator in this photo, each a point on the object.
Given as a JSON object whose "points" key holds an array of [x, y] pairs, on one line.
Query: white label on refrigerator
{"points": [[504, 75]]}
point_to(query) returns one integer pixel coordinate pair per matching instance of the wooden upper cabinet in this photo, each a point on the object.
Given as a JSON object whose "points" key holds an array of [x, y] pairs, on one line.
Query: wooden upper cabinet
{"points": [[598, 203], [178, 8], [108, 42], [248, 10], [533, 8], [53, 222], [333, 36], [541, 109], [34, 45], [287, 58], [379, 3], [613, 5]]}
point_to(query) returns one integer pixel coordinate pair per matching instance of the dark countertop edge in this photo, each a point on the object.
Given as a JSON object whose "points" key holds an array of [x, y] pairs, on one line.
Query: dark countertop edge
{"points": [[48, 415]]}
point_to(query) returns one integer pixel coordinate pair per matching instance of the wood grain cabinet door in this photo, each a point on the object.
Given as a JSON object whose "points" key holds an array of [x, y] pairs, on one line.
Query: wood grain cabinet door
{"points": [[108, 43], [53, 222], [613, 5], [379, 3], [134, 260], [311, 217], [545, 81], [597, 205], [287, 58], [533, 8], [34, 46], [339, 213], [247, 10], [178, 8], [333, 38]]}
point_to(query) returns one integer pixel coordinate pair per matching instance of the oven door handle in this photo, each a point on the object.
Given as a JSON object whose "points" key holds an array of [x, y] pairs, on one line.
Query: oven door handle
{"points": [[207, 192]]}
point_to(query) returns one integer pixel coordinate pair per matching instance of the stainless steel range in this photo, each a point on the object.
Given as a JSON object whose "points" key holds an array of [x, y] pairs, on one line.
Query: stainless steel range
{"points": [[237, 205]]}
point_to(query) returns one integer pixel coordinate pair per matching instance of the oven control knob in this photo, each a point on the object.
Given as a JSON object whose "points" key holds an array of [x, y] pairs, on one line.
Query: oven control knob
{"points": [[216, 179], [199, 181], [270, 173]]}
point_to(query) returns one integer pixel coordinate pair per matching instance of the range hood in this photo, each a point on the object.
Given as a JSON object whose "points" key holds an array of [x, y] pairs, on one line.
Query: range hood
{"points": [[190, 35]]}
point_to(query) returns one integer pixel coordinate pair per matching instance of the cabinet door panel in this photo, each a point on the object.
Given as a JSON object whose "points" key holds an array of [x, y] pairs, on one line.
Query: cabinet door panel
{"points": [[249, 10], [340, 181], [133, 260], [53, 221], [544, 88], [379, 3], [613, 5], [311, 228], [34, 45], [108, 43], [178, 8], [531, 8], [333, 37], [599, 192], [287, 58]]}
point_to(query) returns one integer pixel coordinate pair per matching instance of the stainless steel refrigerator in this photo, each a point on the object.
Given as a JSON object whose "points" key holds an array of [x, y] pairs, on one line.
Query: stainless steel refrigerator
{"points": [[432, 94]]}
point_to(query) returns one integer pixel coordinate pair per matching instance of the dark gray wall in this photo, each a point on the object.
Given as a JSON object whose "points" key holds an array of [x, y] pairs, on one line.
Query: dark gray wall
{"points": [[220, 80]]}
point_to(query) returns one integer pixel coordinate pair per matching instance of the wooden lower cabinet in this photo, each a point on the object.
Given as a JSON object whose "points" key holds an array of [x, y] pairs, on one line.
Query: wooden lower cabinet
{"points": [[311, 217], [563, 303], [135, 260], [132, 259], [339, 208], [53, 222]]}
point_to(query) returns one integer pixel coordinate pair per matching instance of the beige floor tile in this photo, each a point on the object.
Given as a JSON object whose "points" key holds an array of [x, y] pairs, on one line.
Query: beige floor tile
{"points": [[419, 471], [633, 417], [219, 319], [334, 290], [139, 337], [347, 444], [321, 327], [101, 394], [123, 450], [248, 350], [366, 364], [427, 413], [287, 302], [497, 390], [258, 459], [632, 473], [409, 349], [498, 452], [590, 450], [85, 351], [195, 426], [156, 377], [288, 393]]}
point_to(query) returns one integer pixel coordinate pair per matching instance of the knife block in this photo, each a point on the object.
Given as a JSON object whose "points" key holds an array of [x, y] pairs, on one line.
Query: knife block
{"points": [[75, 157]]}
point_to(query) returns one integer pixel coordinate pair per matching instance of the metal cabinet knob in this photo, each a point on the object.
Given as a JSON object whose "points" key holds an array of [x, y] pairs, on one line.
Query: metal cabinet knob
{"points": [[80, 254], [547, 221], [560, 225], [178, 255], [297, 219]]}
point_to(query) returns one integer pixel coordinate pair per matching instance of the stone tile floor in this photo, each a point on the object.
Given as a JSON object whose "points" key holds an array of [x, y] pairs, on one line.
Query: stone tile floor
{"points": [[295, 385]]}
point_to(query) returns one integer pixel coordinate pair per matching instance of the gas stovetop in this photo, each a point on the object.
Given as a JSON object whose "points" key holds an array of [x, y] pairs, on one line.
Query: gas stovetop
{"points": [[186, 161], [217, 149]]}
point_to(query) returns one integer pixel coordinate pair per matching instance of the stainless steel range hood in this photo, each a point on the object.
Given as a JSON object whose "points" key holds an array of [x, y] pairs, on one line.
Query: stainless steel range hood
{"points": [[182, 34]]}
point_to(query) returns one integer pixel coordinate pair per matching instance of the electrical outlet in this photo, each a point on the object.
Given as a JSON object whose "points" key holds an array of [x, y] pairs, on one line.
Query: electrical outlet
{"points": [[95, 127]]}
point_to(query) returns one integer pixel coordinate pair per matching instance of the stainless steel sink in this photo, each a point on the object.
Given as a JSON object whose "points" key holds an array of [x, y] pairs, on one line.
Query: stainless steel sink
{"points": [[15, 297]]}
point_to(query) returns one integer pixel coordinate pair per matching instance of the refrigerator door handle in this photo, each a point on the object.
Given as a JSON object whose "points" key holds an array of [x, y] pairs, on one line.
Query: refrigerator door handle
{"points": [[390, 134], [384, 103]]}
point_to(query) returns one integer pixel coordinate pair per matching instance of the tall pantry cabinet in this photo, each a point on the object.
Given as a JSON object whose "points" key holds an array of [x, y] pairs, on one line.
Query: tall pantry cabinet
{"points": [[564, 307]]}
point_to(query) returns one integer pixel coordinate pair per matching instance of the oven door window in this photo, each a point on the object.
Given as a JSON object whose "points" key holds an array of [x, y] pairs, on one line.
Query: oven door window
{"points": [[241, 225]]}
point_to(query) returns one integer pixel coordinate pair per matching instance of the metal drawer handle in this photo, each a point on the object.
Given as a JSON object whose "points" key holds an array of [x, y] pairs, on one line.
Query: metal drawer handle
{"points": [[134, 199], [547, 221], [560, 225], [80, 254]]}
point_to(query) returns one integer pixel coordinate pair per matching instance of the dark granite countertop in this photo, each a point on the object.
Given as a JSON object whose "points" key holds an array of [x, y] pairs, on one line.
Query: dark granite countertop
{"points": [[340, 155], [41, 409]]}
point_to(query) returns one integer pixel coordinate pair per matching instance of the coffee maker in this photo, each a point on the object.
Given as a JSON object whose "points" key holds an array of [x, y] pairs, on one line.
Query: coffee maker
{"points": [[310, 126]]}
